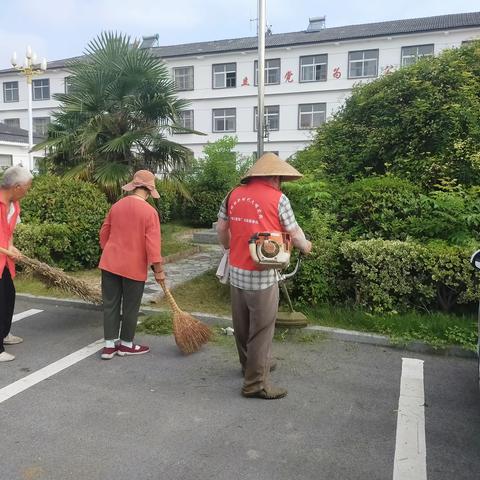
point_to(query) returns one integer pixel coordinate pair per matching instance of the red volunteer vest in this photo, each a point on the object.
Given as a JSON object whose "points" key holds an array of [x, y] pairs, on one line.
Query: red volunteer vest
{"points": [[6, 233], [251, 208]]}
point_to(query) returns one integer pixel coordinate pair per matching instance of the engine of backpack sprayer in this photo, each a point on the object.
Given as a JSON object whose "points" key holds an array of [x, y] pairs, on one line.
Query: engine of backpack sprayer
{"points": [[271, 249]]}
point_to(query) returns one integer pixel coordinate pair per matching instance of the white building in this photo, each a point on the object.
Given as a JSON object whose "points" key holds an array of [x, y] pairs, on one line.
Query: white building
{"points": [[308, 75], [14, 147]]}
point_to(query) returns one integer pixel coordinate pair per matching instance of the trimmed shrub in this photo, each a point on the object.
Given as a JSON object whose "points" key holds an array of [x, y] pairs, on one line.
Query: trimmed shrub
{"points": [[451, 274], [324, 275], [45, 242], [390, 275], [78, 205]]}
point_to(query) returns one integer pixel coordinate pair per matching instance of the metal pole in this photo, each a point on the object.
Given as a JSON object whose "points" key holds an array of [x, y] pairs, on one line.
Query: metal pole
{"points": [[30, 122], [261, 76]]}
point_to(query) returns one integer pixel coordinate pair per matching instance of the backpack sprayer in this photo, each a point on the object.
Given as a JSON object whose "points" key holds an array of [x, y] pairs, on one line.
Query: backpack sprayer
{"points": [[273, 250]]}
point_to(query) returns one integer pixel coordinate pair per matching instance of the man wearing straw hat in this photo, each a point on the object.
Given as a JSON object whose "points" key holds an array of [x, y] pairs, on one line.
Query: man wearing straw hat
{"points": [[14, 185], [257, 206]]}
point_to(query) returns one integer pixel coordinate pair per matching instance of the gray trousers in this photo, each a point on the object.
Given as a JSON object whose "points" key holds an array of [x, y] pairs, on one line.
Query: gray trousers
{"points": [[120, 291], [254, 313]]}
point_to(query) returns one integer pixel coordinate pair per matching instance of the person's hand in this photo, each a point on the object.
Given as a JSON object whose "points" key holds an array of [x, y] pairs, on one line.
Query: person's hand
{"points": [[308, 248], [14, 252], [160, 276]]}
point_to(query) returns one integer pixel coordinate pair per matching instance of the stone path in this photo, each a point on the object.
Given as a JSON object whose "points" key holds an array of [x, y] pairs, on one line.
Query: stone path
{"points": [[183, 270]]}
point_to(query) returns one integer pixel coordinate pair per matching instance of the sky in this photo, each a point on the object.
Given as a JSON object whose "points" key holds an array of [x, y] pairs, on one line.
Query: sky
{"points": [[58, 29]]}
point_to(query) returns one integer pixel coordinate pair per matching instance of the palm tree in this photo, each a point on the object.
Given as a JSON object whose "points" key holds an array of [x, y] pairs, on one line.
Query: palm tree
{"points": [[120, 105]]}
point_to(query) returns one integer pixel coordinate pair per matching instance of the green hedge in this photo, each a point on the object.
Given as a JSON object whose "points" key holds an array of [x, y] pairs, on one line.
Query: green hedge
{"points": [[323, 276], [390, 275], [74, 204], [46, 242], [387, 275]]}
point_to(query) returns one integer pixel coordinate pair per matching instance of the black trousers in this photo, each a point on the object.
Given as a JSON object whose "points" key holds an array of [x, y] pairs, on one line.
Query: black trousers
{"points": [[121, 292], [7, 305]]}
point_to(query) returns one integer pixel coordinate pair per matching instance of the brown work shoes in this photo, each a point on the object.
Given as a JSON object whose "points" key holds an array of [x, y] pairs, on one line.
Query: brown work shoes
{"points": [[267, 393]]}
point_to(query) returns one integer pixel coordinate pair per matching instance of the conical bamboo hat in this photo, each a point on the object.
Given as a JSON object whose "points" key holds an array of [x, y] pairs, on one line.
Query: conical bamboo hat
{"points": [[270, 165]]}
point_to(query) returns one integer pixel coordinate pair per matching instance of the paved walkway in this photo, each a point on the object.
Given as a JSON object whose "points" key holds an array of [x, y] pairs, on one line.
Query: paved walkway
{"points": [[183, 270]]}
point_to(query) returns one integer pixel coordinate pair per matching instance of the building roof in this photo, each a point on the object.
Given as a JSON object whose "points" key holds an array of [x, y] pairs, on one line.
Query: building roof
{"points": [[333, 34], [17, 135]]}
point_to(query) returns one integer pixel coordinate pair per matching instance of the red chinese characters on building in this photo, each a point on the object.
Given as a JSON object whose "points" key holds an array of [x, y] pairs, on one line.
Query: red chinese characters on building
{"points": [[288, 76], [337, 73], [245, 82]]}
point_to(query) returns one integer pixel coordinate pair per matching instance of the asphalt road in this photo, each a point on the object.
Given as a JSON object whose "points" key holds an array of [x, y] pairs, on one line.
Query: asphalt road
{"points": [[166, 416]]}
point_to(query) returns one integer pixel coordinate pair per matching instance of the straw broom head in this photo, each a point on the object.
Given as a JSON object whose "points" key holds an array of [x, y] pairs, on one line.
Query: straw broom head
{"points": [[58, 278], [190, 334]]}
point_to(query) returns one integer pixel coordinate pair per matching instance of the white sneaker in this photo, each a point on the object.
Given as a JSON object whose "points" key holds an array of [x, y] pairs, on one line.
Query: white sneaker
{"points": [[12, 340], [6, 357]]}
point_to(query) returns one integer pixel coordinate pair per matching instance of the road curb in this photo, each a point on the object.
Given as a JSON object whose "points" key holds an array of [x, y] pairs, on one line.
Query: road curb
{"points": [[329, 332], [68, 302]]}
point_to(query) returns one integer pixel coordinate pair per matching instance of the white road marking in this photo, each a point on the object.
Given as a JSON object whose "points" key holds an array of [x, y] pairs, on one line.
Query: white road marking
{"points": [[36, 377], [410, 447], [25, 314]]}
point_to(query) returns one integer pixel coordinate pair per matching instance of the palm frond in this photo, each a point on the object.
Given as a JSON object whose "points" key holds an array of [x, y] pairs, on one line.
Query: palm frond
{"points": [[111, 176]]}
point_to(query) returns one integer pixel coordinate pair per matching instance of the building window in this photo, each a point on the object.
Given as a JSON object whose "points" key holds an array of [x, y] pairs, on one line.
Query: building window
{"points": [[225, 75], [40, 126], [183, 77], [12, 122], [41, 89], [224, 119], [412, 54], [363, 63], [5, 161], [68, 84], [186, 119], [272, 72], [271, 118], [313, 68], [311, 115], [10, 92]]}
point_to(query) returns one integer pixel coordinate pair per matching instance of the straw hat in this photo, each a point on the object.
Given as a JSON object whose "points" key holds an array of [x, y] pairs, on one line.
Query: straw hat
{"points": [[270, 165], [143, 178]]}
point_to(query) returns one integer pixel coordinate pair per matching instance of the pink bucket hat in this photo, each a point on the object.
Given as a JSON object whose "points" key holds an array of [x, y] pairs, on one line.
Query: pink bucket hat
{"points": [[143, 178]]}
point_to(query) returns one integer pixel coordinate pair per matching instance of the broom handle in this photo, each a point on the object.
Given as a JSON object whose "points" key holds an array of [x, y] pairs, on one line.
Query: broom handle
{"points": [[169, 296]]}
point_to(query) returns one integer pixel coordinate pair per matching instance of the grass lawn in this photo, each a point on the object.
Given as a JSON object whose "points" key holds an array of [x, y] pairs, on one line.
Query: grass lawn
{"points": [[202, 294], [437, 329], [173, 238]]}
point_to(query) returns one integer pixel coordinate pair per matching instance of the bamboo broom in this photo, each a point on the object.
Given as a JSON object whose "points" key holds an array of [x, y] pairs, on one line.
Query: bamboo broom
{"points": [[52, 276], [190, 334]]}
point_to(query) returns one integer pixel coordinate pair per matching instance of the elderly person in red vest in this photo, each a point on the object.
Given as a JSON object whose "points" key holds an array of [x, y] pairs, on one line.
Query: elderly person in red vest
{"points": [[130, 240], [14, 185], [257, 206]]}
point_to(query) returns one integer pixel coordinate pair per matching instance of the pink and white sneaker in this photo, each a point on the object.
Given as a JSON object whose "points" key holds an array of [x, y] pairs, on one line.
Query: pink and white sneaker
{"points": [[133, 350], [108, 353]]}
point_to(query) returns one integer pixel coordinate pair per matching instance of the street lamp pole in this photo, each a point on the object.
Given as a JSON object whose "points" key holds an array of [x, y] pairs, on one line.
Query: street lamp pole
{"points": [[261, 77], [29, 69]]}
